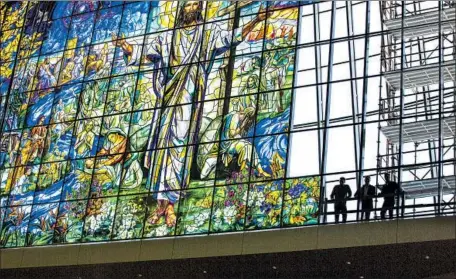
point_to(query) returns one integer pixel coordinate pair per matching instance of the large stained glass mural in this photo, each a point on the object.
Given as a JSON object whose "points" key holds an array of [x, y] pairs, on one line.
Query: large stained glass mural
{"points": [[125, 120]]}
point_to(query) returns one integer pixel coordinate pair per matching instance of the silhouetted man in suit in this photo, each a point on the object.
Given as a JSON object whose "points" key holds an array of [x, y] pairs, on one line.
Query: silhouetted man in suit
{"points": [[340, 194], [365, 194], [389, 190]]}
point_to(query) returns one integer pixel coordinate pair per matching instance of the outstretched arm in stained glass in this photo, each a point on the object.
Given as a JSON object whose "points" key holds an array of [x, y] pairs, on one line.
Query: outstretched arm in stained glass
{"points": [[129, 48]]}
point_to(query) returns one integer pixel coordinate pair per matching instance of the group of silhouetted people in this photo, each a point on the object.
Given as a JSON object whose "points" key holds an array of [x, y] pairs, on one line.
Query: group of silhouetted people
{"points": [[365, 194]]}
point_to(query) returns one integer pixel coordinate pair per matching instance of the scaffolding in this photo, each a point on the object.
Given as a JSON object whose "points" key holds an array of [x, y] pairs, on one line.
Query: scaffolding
{"points": [[418, 63]]}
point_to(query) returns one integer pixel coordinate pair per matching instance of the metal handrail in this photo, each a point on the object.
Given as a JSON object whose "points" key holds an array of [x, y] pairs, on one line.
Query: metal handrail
{"points": [[399, 204]]}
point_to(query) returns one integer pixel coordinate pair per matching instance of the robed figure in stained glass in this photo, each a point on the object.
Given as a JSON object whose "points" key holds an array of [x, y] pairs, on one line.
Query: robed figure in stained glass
{"points": [[180, 84]]}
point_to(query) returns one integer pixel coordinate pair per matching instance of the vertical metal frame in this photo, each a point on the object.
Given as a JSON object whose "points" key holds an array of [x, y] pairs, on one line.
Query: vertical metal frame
{"points": [[257, 95], [440, 117], [328, 98], [318, 75], [225, 105], [383, 68], [5, 110], [353, 83], [131, 112], [10, 86], [102, 117], [354, 95], [402, 92], [364, 98], [295, 85], [292, 107], [319, 98]]}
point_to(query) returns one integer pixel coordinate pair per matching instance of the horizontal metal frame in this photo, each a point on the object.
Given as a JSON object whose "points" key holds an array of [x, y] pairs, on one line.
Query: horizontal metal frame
{"points": [[420, 131], [422, 24], [429, 187], [415, 77]]}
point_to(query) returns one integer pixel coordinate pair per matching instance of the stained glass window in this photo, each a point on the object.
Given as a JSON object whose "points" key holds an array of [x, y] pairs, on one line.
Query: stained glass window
{"points": [[147, 119]]}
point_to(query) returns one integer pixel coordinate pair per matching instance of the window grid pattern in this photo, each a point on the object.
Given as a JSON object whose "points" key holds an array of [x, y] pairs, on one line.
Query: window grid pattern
{"points": [[116, 132], [147, 119]]}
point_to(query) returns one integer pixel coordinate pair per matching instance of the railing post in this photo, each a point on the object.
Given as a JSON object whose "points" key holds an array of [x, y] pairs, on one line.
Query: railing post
{"points": [[325, 210], [403, 204]]}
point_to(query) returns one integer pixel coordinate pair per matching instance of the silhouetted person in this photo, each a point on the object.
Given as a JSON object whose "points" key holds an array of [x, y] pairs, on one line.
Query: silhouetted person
{"points": [[340, 194], [365, 194], [388, 191]]}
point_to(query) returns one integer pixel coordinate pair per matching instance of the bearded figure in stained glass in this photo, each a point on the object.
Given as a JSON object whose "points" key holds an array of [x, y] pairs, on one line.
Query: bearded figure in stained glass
{"points": [[181, 81]]}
